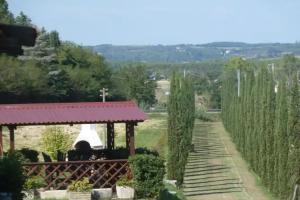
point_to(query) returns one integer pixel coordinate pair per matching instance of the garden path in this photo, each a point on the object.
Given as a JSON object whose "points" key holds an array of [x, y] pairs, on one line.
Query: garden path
{"points": [[215, 170]]}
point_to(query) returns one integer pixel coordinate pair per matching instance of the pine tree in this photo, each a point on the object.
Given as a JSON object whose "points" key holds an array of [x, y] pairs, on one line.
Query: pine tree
{"points": [[41, 52], [5, 15], [23, 20]]}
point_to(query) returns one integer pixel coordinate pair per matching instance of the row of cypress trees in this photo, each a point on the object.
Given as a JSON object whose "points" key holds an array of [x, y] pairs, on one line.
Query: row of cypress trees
{"points": [[181, 114], [264, 122]]}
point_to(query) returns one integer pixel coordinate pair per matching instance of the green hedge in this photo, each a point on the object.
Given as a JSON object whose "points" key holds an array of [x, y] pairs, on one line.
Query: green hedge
{"points": [[148, 173]]}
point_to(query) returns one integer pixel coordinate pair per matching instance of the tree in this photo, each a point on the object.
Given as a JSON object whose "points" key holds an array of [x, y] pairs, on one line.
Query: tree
{"points": [[41, 52], [293, 135], [23, 20], [53, 140], [134, 82], [54, 40], [5, 15], [181, 115], [60, 87], [21, 81], [281, 141]]}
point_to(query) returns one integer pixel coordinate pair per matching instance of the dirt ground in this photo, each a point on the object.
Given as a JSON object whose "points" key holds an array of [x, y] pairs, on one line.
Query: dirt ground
{"points": [[226, 175]]}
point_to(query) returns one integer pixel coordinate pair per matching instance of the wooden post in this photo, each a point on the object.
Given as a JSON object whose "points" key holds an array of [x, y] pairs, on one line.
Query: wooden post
{"points": [[130, 138], [11, 138], [110, 136], [1, 141]]}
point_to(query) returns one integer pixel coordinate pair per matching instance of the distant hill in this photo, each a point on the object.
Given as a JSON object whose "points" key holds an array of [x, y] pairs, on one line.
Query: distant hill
{"points": [[193, 53]]}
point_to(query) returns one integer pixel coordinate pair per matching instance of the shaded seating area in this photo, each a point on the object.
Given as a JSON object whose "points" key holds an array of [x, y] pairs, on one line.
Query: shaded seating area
{"points": [[102, 166]]}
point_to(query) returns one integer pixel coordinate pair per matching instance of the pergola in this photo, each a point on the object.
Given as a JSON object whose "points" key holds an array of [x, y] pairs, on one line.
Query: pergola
{"points": [[57, 175], [13, 115]]}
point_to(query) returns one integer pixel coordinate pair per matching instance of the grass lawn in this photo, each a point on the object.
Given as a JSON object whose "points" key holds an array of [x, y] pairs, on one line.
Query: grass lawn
{"points": [[151, 134]]}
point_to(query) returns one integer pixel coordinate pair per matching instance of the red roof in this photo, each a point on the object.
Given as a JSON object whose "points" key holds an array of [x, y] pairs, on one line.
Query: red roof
{"points": [[70, 113]]}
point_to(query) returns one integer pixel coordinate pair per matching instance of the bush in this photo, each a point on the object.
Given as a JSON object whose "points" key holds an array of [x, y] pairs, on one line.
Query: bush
{"points": [[34, 182], [29, 154], [148, 172], [80, 186], [203, 115], [125, 181], [12, 178], [54, 139], [144, 150]]}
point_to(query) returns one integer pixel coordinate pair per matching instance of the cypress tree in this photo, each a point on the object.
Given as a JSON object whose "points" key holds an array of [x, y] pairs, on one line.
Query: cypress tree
{"points": [[181, 110], [294, 135], [172, 128], [262, 124], [270, 115], [256, 130], [281, 141]]}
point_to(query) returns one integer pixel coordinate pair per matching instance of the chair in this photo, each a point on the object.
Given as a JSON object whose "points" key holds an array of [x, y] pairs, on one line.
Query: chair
{"points": [[61, 156]]}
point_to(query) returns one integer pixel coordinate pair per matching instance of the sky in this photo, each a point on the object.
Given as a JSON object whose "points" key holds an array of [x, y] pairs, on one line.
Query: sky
{"points": [[152, 22]]}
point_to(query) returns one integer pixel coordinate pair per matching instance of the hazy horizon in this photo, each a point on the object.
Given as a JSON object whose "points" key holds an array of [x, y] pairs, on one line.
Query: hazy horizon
{"points": [[168, 22]]}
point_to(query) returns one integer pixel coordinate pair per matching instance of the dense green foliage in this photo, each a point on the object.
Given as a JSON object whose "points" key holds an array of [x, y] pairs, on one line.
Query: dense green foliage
{"points": [[34, 182], [264, 119], [133, 82], [181, 114], [80, 186], [54, 140], [29, 154], [11, 176], [125, 181], [148, 173]]}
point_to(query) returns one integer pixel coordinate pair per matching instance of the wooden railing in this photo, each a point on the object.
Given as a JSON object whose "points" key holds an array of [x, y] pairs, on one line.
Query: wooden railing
{"points": [[58, 175]]}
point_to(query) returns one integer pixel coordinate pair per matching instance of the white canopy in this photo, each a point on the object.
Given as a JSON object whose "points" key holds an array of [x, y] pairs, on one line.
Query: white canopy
{"points": [[89, 134]]}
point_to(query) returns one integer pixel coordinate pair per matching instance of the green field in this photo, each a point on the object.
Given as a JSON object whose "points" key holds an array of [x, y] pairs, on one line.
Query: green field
{"points": [[151, 134]]}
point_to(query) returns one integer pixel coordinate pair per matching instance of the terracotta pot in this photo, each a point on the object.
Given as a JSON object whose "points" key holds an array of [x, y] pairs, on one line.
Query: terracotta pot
{"points": [[80, 196], [125, 192]]}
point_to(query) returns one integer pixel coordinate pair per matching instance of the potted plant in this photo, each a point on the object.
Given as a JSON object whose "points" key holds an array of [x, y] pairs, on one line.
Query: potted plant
{"points": [[80, 190], [124, 187], [31, 185]]}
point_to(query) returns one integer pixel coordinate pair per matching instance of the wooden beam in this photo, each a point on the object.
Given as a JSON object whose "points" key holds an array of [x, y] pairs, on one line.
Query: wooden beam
{"points": [[1, 141], [110, 136], [130, 138], [12, 138]]}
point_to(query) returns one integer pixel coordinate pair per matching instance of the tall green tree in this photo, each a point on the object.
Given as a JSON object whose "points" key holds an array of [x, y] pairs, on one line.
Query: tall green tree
{"points": [[281, 138], [181, 115], [23, 20], [5, 15], [134, 82], [293, 130], [54, 40]]}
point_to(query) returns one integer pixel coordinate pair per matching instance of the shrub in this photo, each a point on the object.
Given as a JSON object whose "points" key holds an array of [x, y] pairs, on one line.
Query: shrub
{"points": [[203, 115], [125, 181], [34, 182], [29, 154], [80, 186], [12, 178], [148, 172], [144, 150], [54, 139]]}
